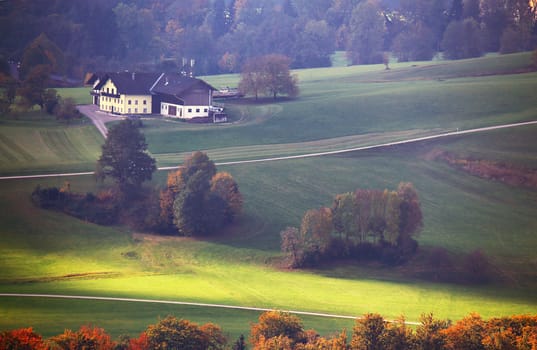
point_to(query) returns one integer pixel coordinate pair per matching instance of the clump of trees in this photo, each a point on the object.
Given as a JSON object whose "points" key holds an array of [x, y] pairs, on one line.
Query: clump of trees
{"points": [[268, 75], [125, 160], [221, 35], [198, 200], [277, 330], [365, 224]]}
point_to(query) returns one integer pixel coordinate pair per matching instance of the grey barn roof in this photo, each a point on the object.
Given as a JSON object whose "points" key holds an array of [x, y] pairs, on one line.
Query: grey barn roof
{"points": [[134, 83], [176, 84]]}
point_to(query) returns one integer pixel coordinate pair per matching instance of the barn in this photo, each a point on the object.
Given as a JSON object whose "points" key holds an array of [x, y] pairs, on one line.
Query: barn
{"points": [[173, 95]]}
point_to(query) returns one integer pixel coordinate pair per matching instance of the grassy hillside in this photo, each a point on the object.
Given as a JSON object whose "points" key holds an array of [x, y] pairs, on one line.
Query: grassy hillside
{"points": [[48, 252], [345, 101], [35, 142]]}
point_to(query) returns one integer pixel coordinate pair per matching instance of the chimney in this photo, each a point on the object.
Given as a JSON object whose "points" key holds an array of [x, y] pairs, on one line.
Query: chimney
{"points": [[133, 75]]}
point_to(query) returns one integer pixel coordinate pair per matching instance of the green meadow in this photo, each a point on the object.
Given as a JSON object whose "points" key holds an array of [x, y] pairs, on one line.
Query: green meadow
{"points": [[47, 252]]}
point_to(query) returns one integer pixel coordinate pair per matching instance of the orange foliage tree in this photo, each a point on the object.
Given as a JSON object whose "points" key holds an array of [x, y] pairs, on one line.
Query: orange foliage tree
{"points": [[21, 339], [367, 332], [466, 333], [87, 338], [277, 328], [223, 185]]}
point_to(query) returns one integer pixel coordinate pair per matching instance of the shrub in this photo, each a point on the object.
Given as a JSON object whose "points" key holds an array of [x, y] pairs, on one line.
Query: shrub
{"points": [[477, 267]]}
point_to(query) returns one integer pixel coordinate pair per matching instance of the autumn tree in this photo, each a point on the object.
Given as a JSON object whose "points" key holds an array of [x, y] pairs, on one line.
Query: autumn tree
{"points": [[316, 233], [415, 43], [292, 246], [465, 334], [397, 335], [225, 187], [462, 39], [42, 52], [344, 215], [173, 333], [268, 74], [192, 205], [87, 338], [428, 334], [366, 31], [276, 327], [367, 332], [32, 88], [21, 339], [197, 199], [124, 157]]}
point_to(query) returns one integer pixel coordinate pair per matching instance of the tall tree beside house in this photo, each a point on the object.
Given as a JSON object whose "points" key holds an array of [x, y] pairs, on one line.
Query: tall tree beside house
{"points": [[268, 74], [124, 157]]}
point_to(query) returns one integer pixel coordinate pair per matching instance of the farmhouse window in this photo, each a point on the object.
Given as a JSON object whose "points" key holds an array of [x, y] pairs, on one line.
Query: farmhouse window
{"points": [[136, 102], [136, 110], [205, 110], [197, 110], [145, 102], [129, 110], [145, 110], [129, 102], [190, 110]]}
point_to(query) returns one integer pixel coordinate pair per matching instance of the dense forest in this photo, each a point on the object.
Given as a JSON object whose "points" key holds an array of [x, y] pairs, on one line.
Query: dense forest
{"points": [[218, 36]]}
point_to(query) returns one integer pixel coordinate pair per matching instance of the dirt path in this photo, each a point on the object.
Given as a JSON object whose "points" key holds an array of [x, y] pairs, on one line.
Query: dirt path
{"points": [[99, 118]]}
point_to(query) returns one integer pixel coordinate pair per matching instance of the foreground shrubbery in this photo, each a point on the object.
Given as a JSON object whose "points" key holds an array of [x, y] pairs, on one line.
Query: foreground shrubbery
{"points": [[277, 330]]}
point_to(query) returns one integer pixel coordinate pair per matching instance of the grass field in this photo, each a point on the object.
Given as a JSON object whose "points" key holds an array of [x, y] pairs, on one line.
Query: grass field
{"points": [[348, 101], [48, 252], [37, 143]]}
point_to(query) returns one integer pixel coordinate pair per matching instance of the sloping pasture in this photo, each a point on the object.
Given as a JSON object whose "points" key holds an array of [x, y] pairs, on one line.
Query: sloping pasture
{"points": [[41, 145], [48, 252]]}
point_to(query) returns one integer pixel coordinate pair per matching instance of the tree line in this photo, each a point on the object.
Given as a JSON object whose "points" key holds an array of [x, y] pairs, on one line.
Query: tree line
{"points": [[365, 224], [276, 330], [197, 200], [219, 36]]}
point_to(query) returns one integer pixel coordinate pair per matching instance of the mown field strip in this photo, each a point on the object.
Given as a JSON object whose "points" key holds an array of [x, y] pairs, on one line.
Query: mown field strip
{"points": [[363, 148], [299, 149], [325, 143], [172, 302]]}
